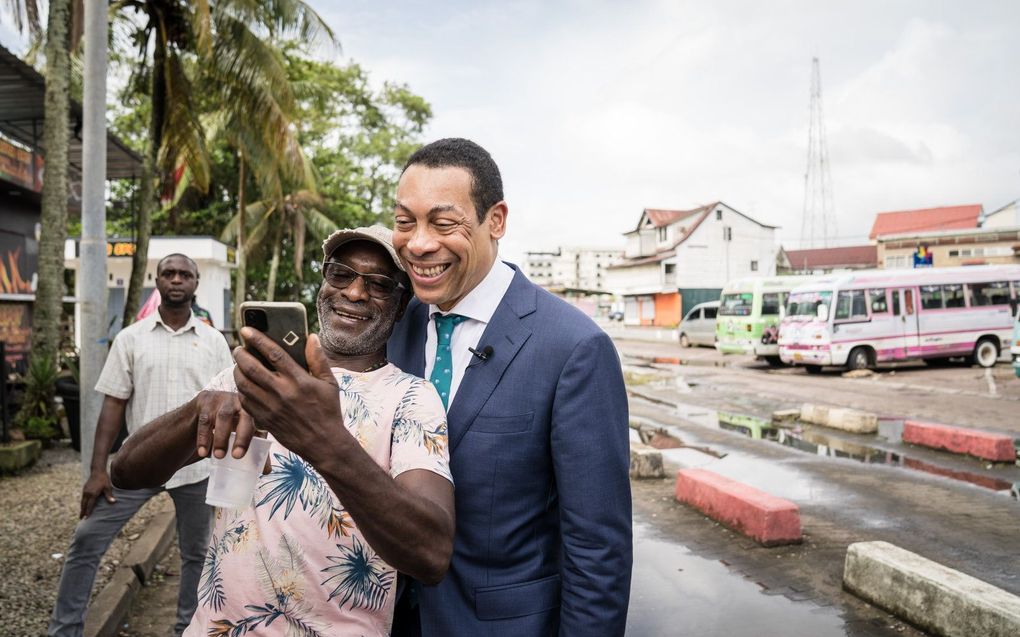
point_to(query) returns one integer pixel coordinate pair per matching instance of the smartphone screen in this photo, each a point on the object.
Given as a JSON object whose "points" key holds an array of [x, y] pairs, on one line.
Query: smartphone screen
{"points": [[284, 323]]}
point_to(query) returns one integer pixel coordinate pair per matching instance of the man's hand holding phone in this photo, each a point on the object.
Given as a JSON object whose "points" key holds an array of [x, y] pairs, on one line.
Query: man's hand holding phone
{"points": [[300, 408]]}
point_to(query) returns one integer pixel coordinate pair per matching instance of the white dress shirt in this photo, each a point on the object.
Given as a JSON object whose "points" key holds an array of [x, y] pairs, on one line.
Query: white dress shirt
{"points": [[477, 306]]}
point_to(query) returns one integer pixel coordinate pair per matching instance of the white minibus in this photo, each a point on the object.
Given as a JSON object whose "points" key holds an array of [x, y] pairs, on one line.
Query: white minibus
{"points": [[861, 318]]}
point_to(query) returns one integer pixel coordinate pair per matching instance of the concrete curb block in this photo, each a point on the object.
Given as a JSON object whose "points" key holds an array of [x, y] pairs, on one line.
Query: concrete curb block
{"points": [[754, 426], [929, 595], [112, 604], [151, 546], [768, 519], [852, 420], [972, 442], [645, 462], [19, 455]]}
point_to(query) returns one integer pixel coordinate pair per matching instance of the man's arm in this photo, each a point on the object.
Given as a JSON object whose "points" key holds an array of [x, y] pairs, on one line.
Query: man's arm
{"points": [[152, 455], [111, 417], [408, 521], [590, 437]]}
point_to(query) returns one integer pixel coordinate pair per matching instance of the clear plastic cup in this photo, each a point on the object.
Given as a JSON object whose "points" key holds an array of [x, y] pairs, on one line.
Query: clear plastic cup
{"points": [[232, 480]]}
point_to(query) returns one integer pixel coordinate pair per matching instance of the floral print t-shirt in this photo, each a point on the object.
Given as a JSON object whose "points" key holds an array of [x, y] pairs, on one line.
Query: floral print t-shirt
{"points": [[294, 563]]}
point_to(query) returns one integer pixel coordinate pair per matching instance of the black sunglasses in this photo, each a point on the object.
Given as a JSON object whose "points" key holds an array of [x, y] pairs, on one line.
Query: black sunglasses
{"points": [[340, 276]]}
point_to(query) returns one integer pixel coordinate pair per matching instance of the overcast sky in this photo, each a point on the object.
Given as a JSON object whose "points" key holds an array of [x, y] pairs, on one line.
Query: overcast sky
{"points": [[595, 110]]}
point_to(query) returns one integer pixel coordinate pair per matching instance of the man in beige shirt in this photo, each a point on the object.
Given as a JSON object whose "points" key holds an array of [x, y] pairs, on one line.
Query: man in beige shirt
{"points": [[154, 366]]}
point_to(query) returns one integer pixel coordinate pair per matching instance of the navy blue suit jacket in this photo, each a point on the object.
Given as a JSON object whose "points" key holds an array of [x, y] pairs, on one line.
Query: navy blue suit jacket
{"points": [[539, 451]]}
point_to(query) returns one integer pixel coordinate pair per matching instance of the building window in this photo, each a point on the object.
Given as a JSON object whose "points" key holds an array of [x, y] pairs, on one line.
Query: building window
{"points": [[662, 234], [718, 214], [754, 266]]}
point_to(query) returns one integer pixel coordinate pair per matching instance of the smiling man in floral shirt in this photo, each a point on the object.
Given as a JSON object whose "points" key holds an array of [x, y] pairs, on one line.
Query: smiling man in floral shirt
{"points": [[359, 485]]}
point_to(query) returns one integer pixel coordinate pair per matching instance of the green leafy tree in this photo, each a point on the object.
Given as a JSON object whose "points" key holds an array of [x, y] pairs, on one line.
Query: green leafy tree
{"points": [[230, 42]]}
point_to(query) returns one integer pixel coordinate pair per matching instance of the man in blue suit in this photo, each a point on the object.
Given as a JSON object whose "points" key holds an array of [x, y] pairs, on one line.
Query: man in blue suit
{"points": [[537, 417]]}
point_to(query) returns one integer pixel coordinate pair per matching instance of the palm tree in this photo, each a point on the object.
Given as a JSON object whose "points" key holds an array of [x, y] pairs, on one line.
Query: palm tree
{"points": [[230, 43], [295, 217], [48, 307], [174, 130], [250, 76]]}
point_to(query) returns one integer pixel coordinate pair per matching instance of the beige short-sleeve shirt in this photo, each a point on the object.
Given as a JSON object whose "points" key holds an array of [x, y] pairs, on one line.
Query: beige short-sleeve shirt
{"points": [[157, 369]]}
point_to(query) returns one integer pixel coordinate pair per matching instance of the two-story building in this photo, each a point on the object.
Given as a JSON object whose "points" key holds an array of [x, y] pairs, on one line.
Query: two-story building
{"points": [[675, 259], [947, 236]]}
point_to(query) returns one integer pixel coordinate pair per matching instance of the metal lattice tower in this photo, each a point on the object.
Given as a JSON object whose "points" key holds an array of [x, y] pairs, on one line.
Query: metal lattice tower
{"points": [[818, 223]]}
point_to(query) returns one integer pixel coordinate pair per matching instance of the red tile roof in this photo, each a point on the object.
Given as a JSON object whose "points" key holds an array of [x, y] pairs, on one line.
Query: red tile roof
{"points": [[926, 219], [661, 217], [833, 258]]}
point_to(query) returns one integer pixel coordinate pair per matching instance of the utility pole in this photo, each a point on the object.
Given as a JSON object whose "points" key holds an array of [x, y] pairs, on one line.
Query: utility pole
{"points": [[818, 223], [92, 284]]}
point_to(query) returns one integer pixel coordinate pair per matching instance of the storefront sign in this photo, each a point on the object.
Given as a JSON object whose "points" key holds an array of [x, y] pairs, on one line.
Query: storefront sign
{"points": [[18, 166], [120, 248], [17, 268], [923, 257], [16, 332]]}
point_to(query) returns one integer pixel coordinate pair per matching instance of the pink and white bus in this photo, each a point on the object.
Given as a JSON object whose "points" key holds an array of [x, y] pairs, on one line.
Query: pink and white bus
{"points": [[861, 318]]}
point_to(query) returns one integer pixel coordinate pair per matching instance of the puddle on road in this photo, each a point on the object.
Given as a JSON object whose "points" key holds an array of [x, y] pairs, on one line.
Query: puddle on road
{"points": [[831, 446], [675, 592], [810, 440]]}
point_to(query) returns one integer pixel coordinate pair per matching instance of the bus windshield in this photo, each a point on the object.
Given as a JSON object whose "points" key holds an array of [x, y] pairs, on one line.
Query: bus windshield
{"points": [[805, 304], [736, 304]]}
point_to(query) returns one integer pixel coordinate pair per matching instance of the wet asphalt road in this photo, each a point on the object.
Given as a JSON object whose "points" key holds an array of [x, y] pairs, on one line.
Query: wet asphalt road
{"points": [[957, 511]]}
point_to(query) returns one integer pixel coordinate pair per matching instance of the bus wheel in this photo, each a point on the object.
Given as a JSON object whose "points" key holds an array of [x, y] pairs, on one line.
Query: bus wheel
{"points": [[774, 361], [813, 369], [858, 359], [986, 352], [684, 341]]}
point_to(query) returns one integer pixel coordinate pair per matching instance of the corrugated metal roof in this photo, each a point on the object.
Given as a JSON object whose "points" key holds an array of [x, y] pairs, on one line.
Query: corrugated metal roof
{"points": [[22, 94]]}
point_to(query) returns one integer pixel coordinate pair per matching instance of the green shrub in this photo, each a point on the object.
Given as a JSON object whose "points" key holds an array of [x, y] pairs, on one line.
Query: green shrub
{"points": [[37, 417], [40, 428]]}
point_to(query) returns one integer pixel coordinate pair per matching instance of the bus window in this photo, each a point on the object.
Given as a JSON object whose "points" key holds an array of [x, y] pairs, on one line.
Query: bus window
{"points": [[736, 304], [770, 304], [805, 304], [931, 297], [851, 306], [895, 303], [995, 293], [908, 301], [952, 295], [879, 304]]}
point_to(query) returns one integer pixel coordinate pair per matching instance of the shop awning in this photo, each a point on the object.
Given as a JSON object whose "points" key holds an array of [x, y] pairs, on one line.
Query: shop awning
{"points": [[22, 93]]}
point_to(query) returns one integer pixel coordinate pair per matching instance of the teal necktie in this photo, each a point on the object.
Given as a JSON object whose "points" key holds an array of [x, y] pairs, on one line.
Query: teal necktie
{"points": [[442, 367]]}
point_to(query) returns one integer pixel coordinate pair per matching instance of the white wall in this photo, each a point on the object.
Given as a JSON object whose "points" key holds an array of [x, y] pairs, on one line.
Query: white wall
{"points": [[209, 254], [1008, 217], [705, 260], [639, 279]]}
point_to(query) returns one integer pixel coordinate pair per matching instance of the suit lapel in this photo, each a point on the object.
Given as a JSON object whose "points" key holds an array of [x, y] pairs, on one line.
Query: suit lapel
{"points": [[408, 353], [506, 334]]}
